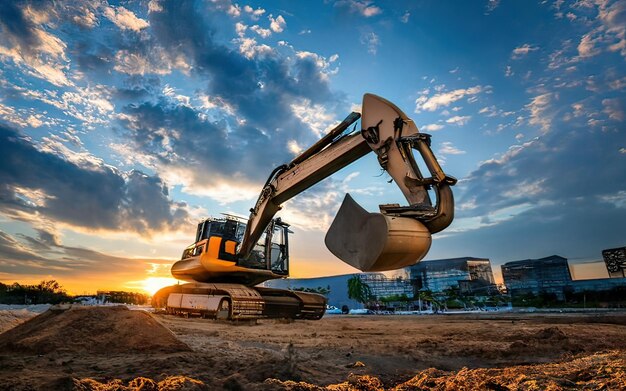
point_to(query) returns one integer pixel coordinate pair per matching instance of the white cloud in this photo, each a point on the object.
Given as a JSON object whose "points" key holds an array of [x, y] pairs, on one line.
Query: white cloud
{"points": [[586, 47], [250, 49], [405, 18], [448, 149], [264, 33], [444, 99], [522, 51], [323, 64], [364, 8], [431, 127], [294, 147], [508, 71], [240, 28], [136, 64], [372, 42], [255, 14], [45, 60], [125, 19], [234, 10], [539, 111], [314, 115], [491, 5], [458, 120], [277, 25], [613, 109]]}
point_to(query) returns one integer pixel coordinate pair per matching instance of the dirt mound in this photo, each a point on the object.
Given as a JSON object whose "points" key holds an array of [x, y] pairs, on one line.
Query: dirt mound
{"points": [[91, 330], [605, 371], [172, 383], [11, 318]]}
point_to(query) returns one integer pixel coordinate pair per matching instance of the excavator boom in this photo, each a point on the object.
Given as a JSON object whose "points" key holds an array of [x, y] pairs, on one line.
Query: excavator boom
{"points": [[387, 131]]}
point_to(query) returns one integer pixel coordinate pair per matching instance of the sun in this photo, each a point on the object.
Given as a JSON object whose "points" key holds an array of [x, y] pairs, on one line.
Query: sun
{"points": [[152, 284]]}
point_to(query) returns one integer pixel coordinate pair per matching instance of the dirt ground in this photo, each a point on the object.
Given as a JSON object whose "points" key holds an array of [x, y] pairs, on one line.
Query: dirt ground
{"points": [[121, 349]]}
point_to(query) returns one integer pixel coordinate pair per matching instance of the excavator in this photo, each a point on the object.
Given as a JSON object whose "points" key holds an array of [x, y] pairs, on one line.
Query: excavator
{"points": [[231, 256]]}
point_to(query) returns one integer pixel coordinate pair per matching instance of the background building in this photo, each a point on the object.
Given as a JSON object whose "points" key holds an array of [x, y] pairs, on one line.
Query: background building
{"points": [[615, 260], [537, 276], [383, 286], [470, 275], [380, 285]]}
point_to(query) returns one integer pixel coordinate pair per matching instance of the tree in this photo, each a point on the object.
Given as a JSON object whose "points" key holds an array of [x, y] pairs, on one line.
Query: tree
{"points": [[359, 290]]}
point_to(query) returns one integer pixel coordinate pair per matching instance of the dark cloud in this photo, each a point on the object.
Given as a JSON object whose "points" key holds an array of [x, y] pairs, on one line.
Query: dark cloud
{"points": [[177, 135], [260, 90], [92, 195], [15, 28], [571, 228], [569, 162], [138, 88], [181, 29], [92, 56]]}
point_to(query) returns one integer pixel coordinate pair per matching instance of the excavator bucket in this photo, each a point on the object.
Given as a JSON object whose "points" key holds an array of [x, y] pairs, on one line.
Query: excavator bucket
{"points": [[375, 242], [399, 236]]}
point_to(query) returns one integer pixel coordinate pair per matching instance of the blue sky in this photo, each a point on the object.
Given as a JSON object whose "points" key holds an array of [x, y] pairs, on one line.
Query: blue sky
{"points": [[124, 123]]}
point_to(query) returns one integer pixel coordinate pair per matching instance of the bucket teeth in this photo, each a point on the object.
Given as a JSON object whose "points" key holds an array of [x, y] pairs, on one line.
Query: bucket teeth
{"points": [[375, 242]]}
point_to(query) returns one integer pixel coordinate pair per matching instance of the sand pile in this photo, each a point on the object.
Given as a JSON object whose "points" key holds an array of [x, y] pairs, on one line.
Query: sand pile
{"points": [[11, 318], [603, 371], [102, 330]]}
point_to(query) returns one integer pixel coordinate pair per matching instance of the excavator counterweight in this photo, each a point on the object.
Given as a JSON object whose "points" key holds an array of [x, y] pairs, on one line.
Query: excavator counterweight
{"points": [[230, 256]]}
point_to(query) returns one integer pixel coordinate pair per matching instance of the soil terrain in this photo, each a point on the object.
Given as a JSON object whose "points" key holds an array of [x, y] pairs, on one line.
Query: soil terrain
{"points": [[112, 348]]}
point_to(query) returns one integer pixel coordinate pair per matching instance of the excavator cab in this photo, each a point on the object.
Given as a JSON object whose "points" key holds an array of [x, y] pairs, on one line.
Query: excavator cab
{"points": [[271, 251]]}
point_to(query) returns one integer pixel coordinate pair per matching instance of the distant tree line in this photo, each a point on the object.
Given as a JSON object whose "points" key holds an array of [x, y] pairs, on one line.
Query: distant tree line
{"points": [[46, 292]]}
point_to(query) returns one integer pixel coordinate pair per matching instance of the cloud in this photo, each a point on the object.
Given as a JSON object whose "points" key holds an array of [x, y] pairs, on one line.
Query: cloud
{"points": [[277, 25], [491, 5], [540, 113], [264, 33], [23, 41], [361, 7], [255, 14], [371, 41], [522, 51], [448, 149], [586, 47], [458, 120], [247, 117], [405, 17], [39, 184], [41, 257], [125, 19], [443, 99], [609, 32], [431, 127], [546, 174], [614, 109]]}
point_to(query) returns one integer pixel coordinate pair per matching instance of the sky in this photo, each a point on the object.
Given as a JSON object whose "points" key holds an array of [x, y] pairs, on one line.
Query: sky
{"points": [[123, 124]]}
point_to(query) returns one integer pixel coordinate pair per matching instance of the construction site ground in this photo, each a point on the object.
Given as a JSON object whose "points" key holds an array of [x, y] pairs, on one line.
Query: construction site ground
{"points": [[112, 348]]}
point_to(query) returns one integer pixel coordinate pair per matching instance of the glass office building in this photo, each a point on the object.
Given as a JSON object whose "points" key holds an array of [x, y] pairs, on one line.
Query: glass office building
{"points": [[536, 276], [470, 275], [383, 286]]}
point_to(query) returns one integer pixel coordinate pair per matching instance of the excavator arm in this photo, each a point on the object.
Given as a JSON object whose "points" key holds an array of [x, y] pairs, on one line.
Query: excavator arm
{"points": [[397, 236]]}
